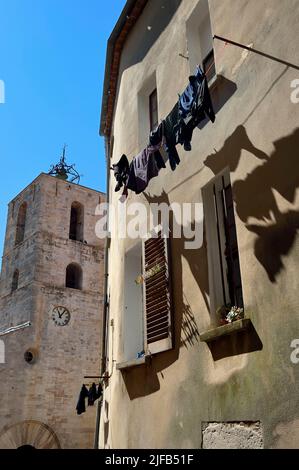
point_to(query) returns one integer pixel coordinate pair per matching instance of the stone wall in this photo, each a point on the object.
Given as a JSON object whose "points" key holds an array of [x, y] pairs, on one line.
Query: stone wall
{"points": [[46, 391]]}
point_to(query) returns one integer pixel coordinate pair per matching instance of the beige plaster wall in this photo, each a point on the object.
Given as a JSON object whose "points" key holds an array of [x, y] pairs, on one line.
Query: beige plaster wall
{"points": [[256, 136]]}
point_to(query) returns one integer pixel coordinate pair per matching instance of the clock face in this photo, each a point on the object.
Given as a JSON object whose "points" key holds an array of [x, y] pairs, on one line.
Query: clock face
{"points": [[61, 316]]}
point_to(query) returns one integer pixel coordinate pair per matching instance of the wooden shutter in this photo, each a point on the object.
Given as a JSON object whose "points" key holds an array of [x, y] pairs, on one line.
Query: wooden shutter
{"points": [[157, 294], [215, 235]]}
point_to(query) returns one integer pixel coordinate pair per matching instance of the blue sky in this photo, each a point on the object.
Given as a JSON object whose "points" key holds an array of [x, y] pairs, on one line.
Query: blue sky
{"points": [[52, 58]]}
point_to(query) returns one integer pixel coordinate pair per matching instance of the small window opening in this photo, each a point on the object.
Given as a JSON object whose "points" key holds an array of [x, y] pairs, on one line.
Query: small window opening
{"points": [[209, 65], [76, 222], [15, 280], [153, 108], [21, 223], [73, 276]]}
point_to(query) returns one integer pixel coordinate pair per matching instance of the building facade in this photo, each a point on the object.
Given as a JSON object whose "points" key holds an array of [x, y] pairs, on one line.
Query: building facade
{"points": [[51, 314], [190, 379]]}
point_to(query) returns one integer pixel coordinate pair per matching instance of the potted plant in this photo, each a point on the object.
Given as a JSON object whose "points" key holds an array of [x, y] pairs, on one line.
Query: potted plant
{"points": [[229, 314]]}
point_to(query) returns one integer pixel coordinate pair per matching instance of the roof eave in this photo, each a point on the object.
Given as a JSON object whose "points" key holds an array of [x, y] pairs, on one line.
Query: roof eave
{"points": [[124, 25]]}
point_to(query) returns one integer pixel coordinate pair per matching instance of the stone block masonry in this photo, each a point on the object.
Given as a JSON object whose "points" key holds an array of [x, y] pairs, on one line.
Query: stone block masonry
{"points": [[39, 397]]}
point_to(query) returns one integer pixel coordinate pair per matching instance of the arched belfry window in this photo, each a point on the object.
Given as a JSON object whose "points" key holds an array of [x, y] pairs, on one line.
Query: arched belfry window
{"points": [[15, 280], [76, 222], [73, 277], [21, 223]]}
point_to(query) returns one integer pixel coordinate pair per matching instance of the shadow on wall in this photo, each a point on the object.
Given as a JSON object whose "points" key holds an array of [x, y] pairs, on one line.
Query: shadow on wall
{"points": [[143, 380], [238, 343], [158, 18], [220, 94], [106, 424], [275, 238], [276, 232]]}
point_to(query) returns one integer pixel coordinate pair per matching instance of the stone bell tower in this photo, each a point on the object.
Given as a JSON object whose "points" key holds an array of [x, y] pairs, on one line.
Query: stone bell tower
{"points": [[50, 314]]}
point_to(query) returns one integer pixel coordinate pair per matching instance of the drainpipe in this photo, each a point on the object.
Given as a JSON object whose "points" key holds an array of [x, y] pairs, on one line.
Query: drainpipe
{"points": [[105, 330]]}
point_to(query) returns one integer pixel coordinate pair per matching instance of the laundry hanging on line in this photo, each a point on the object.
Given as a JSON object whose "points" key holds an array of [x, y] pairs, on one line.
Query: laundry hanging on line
{"points": [[92, 394], [137, 175], [193, 106]]}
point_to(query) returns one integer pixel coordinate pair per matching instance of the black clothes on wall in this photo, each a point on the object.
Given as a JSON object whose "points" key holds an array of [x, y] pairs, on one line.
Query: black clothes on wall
{"points": [[144, 167], [165, 133], [121, 171], [193, 106], [81, 408], [137, 175], [92, 395], [196, 99]]}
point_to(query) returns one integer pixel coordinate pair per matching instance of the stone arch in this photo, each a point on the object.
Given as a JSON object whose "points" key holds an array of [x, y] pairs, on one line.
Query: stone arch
{"points": [[21, 223], [74, 276], [15, 280], [29, 433], [76, 231]]}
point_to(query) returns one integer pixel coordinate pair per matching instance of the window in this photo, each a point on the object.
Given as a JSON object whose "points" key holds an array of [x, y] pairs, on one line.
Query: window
{"points": [[15, 280], [223, 254], [200, 39], [76, 222], [21, 223], [153, 110], [30, 356], [158, 334], [208, 66], [147, 102], [73, 278], [147, 314], [133, 318]]}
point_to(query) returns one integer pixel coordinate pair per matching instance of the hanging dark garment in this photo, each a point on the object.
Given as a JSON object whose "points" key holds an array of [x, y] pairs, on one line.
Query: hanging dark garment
{"points": [[92, 395], [121, 172], [165, 134], [195, 105], [81, 408], [144, 167]]}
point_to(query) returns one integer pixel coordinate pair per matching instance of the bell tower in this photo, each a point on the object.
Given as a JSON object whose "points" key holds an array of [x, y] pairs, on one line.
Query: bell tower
{"points": [[50, 311]]}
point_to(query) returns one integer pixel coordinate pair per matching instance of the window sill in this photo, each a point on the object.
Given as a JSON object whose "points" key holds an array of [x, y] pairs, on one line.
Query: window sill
{"points": [[133, 363], [225, 330]]}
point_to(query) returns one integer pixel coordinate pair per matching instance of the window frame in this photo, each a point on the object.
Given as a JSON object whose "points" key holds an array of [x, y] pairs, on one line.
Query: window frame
{"points": [[76, 228], [21, 223], [78, 275], [215, 226], [15, 280], [153, 109], [207, 68], [167, 343]]}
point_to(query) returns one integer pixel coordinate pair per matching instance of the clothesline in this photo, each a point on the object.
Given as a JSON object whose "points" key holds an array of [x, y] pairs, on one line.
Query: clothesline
{"points": [[251, 49], [213, 63], [193, 106], [92, 394]]}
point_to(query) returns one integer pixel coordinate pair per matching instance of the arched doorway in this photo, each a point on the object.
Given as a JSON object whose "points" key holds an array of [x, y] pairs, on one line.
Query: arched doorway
{"points": [[26, 447], [28, 434]]}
